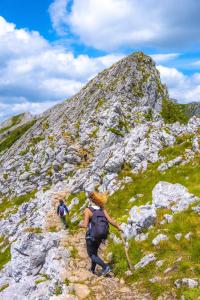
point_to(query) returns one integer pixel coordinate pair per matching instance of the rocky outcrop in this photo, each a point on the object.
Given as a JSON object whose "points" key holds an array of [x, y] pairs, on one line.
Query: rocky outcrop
{"points": [[174, 196]]}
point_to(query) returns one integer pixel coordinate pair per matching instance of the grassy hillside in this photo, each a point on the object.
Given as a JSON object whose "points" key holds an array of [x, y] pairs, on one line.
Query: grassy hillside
{"points": [[169, 251], [11, 138]]}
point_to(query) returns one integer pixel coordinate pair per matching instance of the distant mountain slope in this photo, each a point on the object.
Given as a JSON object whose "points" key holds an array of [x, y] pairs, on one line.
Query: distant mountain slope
{"points": [[193, 109]]}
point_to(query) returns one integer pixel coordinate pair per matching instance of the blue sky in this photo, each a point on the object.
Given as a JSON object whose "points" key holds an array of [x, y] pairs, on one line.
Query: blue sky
{"points": [[49, 49]]}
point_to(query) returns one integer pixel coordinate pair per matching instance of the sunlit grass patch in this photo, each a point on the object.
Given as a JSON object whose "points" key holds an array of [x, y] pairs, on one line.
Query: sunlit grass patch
{"points": [[4, 252]]}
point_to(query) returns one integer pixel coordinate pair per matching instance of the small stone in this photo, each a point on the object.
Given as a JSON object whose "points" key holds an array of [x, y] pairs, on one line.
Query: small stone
{"points": [[81, 290], [128, 273], [159, 263], [188, 236], [159, 238], [155, 279], [168, 270], [124, 290], [179, 259], [169, 218], [139, 195], [121, 281], [131, 200], [178, 236], [145, 261], [188, 282]]}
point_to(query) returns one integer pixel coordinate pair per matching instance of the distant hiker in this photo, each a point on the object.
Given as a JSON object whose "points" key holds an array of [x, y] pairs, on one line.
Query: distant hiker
{"points": [[96, 220], [62, 210]]}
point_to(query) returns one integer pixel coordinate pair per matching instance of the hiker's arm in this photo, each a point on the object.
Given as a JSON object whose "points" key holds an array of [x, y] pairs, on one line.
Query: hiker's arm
{"points": [[85, 222], [111, 221], [66, 208]]}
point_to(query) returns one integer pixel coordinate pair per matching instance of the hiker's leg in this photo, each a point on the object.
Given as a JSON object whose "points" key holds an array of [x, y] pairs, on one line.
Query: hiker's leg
{"points": [[63, 218], [95, 258], [100, 261], [90, 252]]}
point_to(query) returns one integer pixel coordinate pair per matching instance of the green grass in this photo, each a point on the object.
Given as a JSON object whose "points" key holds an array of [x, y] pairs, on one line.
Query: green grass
{"points": [[191, 294], [143, 183], [15, 135], [53, 229], [14, 202], [34, 229], [76, 209], [14, 121], [173, 112], [4, 287], [169, 251], [183, 142], [149, 115], [74, 252], [57, 289], [184, 222], [115, 131], [4, 252], [39, 281]]}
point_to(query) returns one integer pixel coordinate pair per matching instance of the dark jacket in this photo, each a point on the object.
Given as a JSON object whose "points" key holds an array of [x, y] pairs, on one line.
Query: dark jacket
{"points": [[65, 207]]}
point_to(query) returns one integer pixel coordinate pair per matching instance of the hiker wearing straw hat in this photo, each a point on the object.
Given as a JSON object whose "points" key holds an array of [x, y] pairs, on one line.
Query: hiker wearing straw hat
{"points": [[97, 220]]}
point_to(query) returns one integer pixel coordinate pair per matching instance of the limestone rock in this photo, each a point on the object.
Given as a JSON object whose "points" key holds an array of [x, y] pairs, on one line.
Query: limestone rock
{"points": [[145, 261], [178, 236], [166, 194], [159, 238], [188, 282]]}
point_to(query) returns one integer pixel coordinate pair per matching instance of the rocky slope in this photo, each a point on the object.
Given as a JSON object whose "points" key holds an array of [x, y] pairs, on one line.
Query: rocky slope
{"points": [[115, 135]]}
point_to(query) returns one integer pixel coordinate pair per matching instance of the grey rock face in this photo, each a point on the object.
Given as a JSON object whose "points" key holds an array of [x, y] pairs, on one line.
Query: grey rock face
{"points": [[29, 254], [99, 126]]}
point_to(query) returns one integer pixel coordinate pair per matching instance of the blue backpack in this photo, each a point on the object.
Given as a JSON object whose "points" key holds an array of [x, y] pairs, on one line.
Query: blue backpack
{"points": [[62, 211], [98, 226]]}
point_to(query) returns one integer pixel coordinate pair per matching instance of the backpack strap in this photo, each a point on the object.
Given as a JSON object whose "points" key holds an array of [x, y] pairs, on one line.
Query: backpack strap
{"points": [[91, 209]]}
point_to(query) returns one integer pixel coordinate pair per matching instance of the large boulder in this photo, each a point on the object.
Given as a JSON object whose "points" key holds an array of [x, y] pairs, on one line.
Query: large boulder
{"points": [[176, 196]]}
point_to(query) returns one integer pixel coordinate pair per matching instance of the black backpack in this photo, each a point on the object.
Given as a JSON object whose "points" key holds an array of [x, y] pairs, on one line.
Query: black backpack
{"points": [[98, 226]]}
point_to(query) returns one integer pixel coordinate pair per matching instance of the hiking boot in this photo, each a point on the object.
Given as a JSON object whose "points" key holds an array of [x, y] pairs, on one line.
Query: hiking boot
{"points": [[105, 271]]}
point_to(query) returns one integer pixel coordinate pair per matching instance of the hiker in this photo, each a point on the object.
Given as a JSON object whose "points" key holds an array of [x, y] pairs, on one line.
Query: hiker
{"points": [[62, 210], [96, 220]]}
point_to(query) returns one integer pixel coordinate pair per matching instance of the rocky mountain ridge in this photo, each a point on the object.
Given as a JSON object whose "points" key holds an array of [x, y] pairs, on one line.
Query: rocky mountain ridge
{"points": [[112, 136]]}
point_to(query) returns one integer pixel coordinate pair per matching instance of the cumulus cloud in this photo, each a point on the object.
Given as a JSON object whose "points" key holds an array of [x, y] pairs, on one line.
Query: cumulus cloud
{"points": [[160, 58], [35, 74], [114, 24], [181, 87]]}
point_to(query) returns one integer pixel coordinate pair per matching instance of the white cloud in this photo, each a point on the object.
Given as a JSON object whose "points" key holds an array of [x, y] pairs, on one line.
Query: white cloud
{"points": [[35, 74], [114, 24], [160, 58], [59, 18], [181, 87]]}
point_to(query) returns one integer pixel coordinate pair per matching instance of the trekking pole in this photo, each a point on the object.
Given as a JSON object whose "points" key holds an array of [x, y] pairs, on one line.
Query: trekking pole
{"points": [[126, 252]]}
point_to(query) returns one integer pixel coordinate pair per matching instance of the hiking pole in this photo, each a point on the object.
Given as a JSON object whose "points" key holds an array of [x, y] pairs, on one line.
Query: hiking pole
{"points": [[126, 252]]}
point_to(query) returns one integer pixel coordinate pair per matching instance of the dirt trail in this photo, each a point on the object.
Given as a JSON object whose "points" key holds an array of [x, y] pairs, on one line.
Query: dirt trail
{"points": [[85, 285]]}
